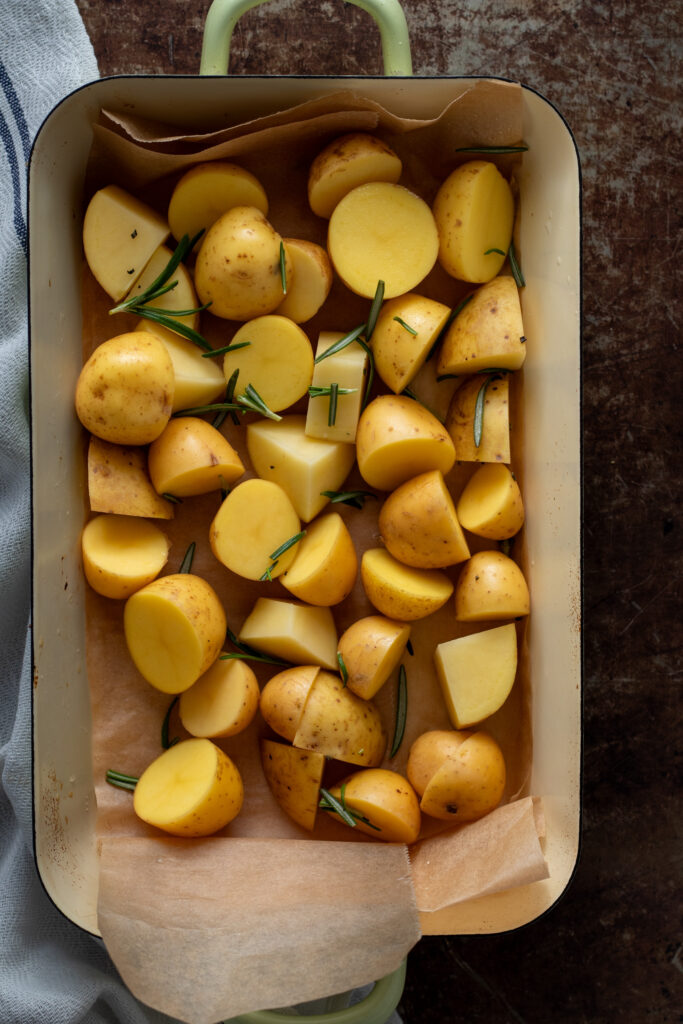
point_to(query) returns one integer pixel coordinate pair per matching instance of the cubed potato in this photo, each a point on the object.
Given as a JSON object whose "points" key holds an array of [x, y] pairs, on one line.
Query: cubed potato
{"points": [[397, 439], [370, 649], [118, 482], [325, 565], [294, 777], [386, 801], [207, 191], [400, 591], [312, 280], [277, 362], [476, 673], [494, 442], [296, 632], [419, 525], [347, 162], [121, 554], [303, 466], [491, 503], [198, 381], [120, 234], [347, 369], [404, 335], [191, 457], [183, 296], [487, 333], [490, 586], [223, 701], [253, 522], [382, 232], [337, 723], [474, 212], [283, 698]]}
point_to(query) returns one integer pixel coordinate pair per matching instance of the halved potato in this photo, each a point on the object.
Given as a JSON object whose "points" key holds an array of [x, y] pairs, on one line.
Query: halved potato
{"points": [[183, 296], [207, 191], [488, 333], [491, 503], [382, 232], [338, 724], [294, 777], [299, 633], [312, 280], [386, 799], [404, 335], [192, 789], [324, 569], [121, 554], [397, 439], [118, 482], [469, 783], [347, 162], [277, 362], [494, 445], [490, 586], [198, 381], [371, 648], [419, 525], [283, 698], [222, 702], [401, 591], [254, 520], [476, 673], [191, 457]]}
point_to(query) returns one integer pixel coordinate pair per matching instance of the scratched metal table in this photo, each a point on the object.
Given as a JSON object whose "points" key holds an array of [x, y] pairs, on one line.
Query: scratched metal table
{"points": [[610, 949]]}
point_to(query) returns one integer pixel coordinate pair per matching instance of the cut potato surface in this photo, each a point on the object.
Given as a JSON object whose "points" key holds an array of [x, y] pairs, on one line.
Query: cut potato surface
{"points": [[120, 234], [325, 566], [382, 232], [192, 789], [419, 525], [494, 444], [312, 280], [400, 591], [371, 648], [118, 482], [183, 296], [303, 466], [352, 160], [222, 702], [209, 190], [121, 554], [491, 503], [277, 362], [191, 457], [487, 333], [346, 369], [283, 698], [404, 335], [294, 777], [476, 673], [474, 212], [386, 799], [254, 521], [299, 633], [174, 629], [338, 724], [397, 439], [198, 381]]}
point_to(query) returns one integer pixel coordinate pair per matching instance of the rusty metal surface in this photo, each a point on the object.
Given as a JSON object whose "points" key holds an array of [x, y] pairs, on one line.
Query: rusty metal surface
{"points": [[610, 950]]}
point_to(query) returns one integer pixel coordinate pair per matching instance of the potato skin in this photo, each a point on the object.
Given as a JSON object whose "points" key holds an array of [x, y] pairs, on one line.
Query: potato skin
{"points": [[419, 525], [387, 800], [490, 586], [349, 161], [371, 648], [284, 696], [401, 591], [491, 504]]}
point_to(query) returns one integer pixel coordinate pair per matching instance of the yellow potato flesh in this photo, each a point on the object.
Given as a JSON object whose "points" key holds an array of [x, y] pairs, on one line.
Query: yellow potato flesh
{"points": [[198, 381], [490, 586], [238, 265], [371, 648], [294, 777], [299, 633], [476, 673], [325, 566], [419, 525], [192, 789], [401, 591], [121, 554], [347, 369], [253, 521], [222, 702], [491, 503], [487, 333], [397, 439], [346, 163], [469, 784], [387, 800], [277, 362], [382, 232], [191, 457], [283, 698], [174, 629], [312, 280], [118, 482], [124, 392], [428, 753], [303, 466], [209, 190], [336, 723], [183, 296], [120, 234], [474, 211], [400, 351], [494, 445]]}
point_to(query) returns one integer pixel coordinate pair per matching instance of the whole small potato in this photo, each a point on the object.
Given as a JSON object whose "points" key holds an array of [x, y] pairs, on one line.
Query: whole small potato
{"points": [[124, 392], [459, 776], [238, 265]]}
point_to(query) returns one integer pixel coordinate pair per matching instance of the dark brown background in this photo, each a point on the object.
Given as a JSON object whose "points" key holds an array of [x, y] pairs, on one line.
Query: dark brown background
{"points": [[611, 949]]}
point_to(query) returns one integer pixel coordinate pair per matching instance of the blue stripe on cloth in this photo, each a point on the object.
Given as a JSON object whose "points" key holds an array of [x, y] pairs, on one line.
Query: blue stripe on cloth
{"points": [[18, 218], [15, 107]]}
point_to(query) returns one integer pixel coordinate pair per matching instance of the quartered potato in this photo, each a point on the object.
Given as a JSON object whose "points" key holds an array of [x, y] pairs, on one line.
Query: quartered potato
{"points": [[294, 777], [347, 162], [191, 457], [494, 432], [118, 482], [487, 333], [490, 586], [491, 503], [222, 702], [476, 673], [312, 280], [370, 649], [385, 803], [419, 525]]}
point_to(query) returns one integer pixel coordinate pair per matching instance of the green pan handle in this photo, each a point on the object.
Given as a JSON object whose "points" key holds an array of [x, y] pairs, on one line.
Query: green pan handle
{"points": [[376, 1008], [224, 14]]}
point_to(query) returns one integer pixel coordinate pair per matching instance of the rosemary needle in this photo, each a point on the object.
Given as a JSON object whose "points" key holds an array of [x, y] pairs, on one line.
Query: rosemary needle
{"points": [[165, 742], [401, 711], [120, 780], [342, 668], [186, 564]]}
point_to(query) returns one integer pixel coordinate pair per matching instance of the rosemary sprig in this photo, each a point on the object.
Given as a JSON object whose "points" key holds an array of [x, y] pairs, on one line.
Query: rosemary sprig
{"points": [[446, 376], [120, 780], [499, 251], [401, 711], [338, 346], [165, 742], [173, 498], [213, 407], [492, 149], [247, 653], [506, 546], [478, 425], [339, 806], [230, 397], [267, 575], [451, 317], [371, 371], [226, 348], [283, 268], [515, 267], [374, 310], [275, 557], [333, 390], [356, 499], [342, 668], [252, 401], [186, 564], [407, 327]]}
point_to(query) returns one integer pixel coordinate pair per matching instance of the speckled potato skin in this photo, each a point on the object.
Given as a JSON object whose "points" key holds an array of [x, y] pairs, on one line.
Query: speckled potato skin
{"points": [[283, 698], [400, 353], [118, 482], [428, 753], [124, 392], [238, 266], [491, 586], [495, 436], [469, 783], [487, 333], [371, 648], [191, 457], [419, 526], [347, 162], [338, 724], [387, 800], [294, 778]]}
